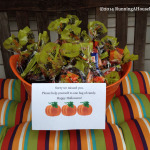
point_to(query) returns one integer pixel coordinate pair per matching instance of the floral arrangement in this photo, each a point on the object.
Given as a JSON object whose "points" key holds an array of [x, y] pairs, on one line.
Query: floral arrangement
{"points": [[75, 57]]}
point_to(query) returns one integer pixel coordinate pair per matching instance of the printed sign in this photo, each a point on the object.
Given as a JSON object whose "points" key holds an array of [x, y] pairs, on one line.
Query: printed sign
{"points": [[65, 106]]}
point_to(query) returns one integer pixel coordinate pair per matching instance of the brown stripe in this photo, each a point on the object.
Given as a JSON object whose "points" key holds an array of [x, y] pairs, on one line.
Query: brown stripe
{"points": [[83, 15], [22, 19], [101, 16], [4, 34], [121, 27], [42, 22], [140, 39]]}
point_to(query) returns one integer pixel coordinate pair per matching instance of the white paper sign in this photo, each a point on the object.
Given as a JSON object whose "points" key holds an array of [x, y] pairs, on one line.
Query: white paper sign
{"points": [[64, 106]]}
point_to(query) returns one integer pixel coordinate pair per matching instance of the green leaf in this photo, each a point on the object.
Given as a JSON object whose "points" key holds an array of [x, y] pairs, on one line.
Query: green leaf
{"points": [[29, 66], [58, 24], [70, 50], [104, 55], [80, 65], [71, 33], [32, 47], [11, 43], [54, 25], [26, 53], [112, 77], [96, 27], [127, 57], [86, 103], [87, 48], [65, 35], [54, 104], [27, 29], [126, 51], [85, 37], [23, 36], [73, 19], [134, 57], [45, 37], [112, 41], [70, 104], [42, 39]]}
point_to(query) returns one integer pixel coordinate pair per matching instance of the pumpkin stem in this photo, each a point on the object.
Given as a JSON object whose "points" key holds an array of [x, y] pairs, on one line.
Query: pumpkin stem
{"points": [[54, 104], [70, 104], [86, 103]]}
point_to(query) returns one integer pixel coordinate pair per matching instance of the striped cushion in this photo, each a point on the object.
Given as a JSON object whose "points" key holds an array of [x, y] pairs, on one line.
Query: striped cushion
{"points": [[23, 137], [109, 139], [13, 112], [135, 82], [3, 131], [127, 107], [137, 134], [12, 89]]}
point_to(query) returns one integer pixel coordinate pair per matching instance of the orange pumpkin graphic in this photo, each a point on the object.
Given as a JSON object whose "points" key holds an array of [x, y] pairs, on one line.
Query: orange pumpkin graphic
{"points": [[53, 109], [69, 109], [84, 109]]}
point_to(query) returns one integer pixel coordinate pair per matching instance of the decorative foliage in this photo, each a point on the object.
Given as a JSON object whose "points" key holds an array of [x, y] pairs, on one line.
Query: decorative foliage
{"points": [[74, 58]]}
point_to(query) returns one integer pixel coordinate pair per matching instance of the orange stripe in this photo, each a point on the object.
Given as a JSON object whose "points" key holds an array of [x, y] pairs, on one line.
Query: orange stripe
{"points": [[112, 114], [146, 81], [15, 144], [58, 140], [124, 85], [128, 85], [91, 139], [6, 88], [139, 104], [84, 145], [24, 136], [145, 131], [30, 116], [108, 115], [52, 139], [5, 112], [1, 106], [12, 87], [26, 110], [118, 138], [2, 101], [134, 106]]}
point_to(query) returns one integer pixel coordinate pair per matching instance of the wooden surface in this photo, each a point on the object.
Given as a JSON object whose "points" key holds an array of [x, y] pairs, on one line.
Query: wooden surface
{"points": [[140, 39], [101, 16], [42, 22], [45, 9], [22, 19], [121, 28], [63, 5], [4, 34], [83, 15]]}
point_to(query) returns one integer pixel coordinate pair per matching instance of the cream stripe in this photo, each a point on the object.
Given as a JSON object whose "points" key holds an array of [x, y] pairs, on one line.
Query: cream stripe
{"points": [[3, 111], [21, 136], [122, 139], [138, 105], [128, 86], [29, 113], [148, 77], [56, 137], [147, 124], [10, 89], [88, 139], [111, 114]]}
